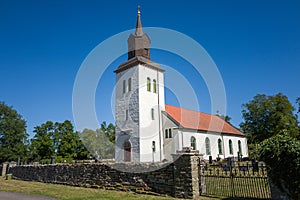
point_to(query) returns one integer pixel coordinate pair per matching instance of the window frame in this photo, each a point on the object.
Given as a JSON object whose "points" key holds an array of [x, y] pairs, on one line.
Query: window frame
{"points": [[207, 146], [154, 86], [148, 84], [193, 142]]}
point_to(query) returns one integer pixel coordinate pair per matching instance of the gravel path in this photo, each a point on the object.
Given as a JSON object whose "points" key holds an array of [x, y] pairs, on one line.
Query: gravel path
{"points": [[21, 196]]}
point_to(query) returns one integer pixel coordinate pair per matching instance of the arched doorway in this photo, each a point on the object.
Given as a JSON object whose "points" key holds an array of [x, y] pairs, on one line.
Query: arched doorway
{"points": [[127, 151]]}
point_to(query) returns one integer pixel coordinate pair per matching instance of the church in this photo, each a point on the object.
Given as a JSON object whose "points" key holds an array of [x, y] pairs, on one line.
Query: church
{"points": [[147, 129]]}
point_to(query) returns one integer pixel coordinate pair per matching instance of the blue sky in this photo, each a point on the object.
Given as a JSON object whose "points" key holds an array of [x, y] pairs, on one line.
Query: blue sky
{"points": [[254, 43]]}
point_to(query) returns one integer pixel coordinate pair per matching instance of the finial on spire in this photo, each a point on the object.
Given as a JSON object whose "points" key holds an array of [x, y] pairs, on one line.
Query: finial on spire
{"points": [[139, 9], [139, 30]]}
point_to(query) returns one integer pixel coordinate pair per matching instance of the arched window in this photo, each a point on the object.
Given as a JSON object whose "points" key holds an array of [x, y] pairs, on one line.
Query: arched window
{"points": [[230, 147], [220, 146], [207, 146], [124, 86], [148, 84], [154, 85], [166, 133], [129, 84], [153, 146], [170, 133], [193, 142], [240, 147], [152, 113]]}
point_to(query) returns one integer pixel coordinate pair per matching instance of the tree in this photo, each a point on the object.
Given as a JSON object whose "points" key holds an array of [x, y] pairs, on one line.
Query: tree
{"points": [[265, 116], [226, 118], [98, 143], [281, 153], [298, 102], [57, 139], [13, 136], [109, 131]]}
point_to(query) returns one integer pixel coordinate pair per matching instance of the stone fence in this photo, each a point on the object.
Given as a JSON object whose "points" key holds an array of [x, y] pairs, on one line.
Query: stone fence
{"points": [[178, 179]]}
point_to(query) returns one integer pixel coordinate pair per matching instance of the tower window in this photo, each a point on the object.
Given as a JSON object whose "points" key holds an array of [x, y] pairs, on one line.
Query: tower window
{"points": [[129, 84], [152, 113], [124, 86], [126, 115], [153, 146], [148, 84], [154, 85]]}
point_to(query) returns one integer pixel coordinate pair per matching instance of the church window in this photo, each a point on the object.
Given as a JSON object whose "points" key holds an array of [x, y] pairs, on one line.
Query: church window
{"points": [[207, 146], [230, 147], [166, 133], [220, 146], [240, 147], [153, 146], [129, 84], [148, 84], [154, 85], [193, 142], [170, 133], [124, 86], [126, 115], [152, 113]]}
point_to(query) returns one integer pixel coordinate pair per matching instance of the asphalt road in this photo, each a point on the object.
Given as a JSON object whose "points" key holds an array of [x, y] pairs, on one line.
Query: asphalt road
{"points": [[21, 196]]}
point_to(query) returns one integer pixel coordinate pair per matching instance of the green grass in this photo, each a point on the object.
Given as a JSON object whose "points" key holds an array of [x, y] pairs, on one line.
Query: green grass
{"points": [[73, 193]]}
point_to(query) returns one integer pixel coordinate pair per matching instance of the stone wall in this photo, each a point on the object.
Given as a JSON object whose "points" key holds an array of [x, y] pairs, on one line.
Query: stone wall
{"points": [[178, 179]]}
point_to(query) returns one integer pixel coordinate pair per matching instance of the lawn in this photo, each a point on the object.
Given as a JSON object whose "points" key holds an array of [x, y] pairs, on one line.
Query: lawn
{"points": [[74, 193]]}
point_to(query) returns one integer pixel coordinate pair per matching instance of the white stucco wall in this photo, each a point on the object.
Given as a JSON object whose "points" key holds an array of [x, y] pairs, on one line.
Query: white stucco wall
{"points": [[150, 130]]}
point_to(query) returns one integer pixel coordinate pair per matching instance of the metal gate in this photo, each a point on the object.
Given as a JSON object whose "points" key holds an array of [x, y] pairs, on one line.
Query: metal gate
{"points": [[241, 180]]}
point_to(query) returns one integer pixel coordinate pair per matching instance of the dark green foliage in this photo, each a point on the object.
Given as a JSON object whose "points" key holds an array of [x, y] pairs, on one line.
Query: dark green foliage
{"points": [[226, 118], [282, 154], [57, 139], [273, 136], [13, 136], [265, 116]]}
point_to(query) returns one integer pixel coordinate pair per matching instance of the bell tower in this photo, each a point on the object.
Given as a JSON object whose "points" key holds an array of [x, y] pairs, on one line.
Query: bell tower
{"points": [[139, 102]]}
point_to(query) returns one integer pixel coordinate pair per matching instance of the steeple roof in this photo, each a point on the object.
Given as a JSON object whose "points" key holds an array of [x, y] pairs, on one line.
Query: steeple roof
{"points": [[138, 27]]}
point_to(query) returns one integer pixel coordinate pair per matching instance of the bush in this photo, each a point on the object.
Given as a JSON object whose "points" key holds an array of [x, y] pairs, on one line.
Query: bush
{"points": [[282, 154]]}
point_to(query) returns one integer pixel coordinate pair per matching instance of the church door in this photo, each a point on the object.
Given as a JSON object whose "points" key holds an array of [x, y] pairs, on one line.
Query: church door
{"points": [[127, 151]]}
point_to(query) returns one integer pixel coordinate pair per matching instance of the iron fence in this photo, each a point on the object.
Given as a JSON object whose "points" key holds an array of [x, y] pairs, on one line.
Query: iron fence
{"points": [[242, 181]]}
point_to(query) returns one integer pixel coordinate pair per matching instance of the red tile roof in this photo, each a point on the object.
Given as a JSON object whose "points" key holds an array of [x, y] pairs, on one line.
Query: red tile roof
{"points": [[200, 121]]}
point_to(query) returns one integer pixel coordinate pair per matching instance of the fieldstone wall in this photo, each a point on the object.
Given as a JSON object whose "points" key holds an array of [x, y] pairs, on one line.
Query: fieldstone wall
{"points": [[178, 179]]}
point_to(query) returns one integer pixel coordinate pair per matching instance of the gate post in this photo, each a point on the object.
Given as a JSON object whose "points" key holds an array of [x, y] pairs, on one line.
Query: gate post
{"points": [[4, 169], [202, 185], [186, 174]]}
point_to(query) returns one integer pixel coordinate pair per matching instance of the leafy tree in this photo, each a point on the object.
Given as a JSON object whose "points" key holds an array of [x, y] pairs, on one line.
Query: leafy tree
{"points": [[13, 136], [281, 152], [226, 118], [265, 116], [99, 142], [57, 139], [109, 131], [298, 102]]}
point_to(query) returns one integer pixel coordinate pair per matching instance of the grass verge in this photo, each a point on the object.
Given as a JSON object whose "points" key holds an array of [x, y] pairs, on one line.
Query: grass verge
{"points": [[64, 192]]}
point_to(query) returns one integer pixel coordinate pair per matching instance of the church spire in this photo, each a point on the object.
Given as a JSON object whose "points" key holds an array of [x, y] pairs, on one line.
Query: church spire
{"points": [[139, 42], [138, 28]]}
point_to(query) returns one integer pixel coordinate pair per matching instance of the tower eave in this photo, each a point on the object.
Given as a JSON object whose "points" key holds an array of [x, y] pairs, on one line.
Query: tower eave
{"points": [[138, 60]]}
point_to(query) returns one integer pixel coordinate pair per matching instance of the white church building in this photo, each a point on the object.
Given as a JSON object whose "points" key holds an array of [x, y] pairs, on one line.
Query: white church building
{"points": [[147, 129]]}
